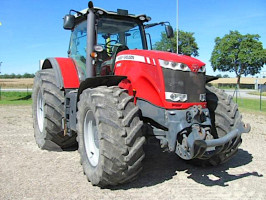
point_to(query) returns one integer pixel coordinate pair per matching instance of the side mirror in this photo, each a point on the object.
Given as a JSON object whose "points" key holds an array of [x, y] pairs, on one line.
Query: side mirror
{"points": [[69, 22], [169, 31]]}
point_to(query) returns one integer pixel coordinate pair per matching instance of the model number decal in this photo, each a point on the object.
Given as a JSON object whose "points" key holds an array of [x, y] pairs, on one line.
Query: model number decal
{"points": [[126, 57], [130, 58]]}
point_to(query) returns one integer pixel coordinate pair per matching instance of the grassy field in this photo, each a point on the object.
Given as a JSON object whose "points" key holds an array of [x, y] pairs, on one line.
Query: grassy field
{"points": [[251, 104], [15, 98]]}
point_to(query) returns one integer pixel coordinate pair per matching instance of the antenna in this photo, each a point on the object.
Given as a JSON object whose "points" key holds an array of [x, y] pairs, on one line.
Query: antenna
{"points": [[177, 26]]}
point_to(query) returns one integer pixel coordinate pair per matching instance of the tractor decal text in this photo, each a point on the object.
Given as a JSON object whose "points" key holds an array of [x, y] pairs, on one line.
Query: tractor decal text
{"points": [[130, 58]]}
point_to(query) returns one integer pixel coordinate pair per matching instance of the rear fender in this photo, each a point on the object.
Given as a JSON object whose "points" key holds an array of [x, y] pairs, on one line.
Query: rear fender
{"points": [[65, 72]]}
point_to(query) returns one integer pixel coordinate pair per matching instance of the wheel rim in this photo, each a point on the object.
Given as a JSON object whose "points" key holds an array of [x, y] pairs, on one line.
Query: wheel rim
{"points": [[40, 110], [91, 139]]}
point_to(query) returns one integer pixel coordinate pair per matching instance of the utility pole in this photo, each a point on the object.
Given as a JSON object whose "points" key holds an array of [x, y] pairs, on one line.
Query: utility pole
{"points": [[0, 85], [177, 14]]}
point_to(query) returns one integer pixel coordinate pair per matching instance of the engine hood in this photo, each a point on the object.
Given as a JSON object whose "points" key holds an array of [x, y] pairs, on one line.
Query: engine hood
{"points": [[154, 56]]}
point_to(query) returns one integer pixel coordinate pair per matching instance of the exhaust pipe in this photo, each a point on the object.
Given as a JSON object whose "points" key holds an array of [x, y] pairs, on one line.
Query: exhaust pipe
{"points": [[90, 40]]}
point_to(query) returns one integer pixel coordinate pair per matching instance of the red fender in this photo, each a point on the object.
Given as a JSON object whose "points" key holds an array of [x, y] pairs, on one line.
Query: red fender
{"points": [[65, 71]]}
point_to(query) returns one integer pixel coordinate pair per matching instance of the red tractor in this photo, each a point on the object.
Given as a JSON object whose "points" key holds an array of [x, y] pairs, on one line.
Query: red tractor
{"points": [[112, 94]]}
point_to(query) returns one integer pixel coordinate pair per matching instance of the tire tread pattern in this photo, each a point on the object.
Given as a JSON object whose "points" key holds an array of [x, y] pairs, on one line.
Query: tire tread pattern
{"points": [[120, 133], [52, 137], [225, 117]]}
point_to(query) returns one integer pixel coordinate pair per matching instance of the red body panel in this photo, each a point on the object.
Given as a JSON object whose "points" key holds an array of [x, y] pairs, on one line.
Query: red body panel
{"points": [[68, 72], [145, 75]]}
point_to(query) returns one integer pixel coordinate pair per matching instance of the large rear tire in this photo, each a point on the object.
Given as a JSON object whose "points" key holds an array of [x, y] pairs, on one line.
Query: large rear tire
{"points": [[48, 112], [109, 136], [225, 117]]}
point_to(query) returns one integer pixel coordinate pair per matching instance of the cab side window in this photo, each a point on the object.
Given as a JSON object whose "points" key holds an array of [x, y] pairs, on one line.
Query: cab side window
{"points": [[77, 48]]}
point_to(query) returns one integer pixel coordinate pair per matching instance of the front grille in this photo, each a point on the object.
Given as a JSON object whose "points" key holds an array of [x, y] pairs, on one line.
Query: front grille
{"points": [[190, 83]]}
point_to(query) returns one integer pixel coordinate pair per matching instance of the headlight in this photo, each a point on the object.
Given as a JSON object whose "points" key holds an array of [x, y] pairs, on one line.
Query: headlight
{"points": [[176, 96], [174, 65], [202, 69]]}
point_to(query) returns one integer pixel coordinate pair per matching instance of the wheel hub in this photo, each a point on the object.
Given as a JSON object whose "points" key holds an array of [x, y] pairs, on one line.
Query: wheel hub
{"points": [[91, 140], [40, 111]]}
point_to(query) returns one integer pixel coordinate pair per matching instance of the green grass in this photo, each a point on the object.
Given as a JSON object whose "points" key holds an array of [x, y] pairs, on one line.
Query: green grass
{"points": [[257, 93], [15, 98], [251, 104]]}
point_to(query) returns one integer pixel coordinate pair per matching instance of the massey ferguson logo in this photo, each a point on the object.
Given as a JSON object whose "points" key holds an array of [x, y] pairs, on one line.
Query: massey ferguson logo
{"points": [[126, 57], [195, 68], [135, 58]]}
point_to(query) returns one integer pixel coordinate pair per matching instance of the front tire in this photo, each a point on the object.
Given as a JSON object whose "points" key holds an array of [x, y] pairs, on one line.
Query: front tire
{"points": [[109, 136], [225, 117]]}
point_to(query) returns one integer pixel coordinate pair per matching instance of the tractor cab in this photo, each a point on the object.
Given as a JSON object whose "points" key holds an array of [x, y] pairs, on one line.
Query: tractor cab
{"points": [[110, 33]]}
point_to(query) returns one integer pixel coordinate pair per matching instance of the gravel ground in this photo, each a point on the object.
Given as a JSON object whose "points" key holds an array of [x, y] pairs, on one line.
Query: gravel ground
{"points": [[27, 172]]}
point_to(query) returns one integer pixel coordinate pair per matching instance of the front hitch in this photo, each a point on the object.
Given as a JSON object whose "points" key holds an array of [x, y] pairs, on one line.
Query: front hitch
{"points": [[194, 146]]}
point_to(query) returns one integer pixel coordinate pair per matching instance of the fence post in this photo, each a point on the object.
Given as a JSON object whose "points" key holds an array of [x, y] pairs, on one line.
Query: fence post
{"points": [[262, 89], [260, 96]]}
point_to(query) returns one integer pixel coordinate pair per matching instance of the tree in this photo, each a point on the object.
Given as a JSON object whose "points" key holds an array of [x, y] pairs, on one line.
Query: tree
{"points": [[11, 76], [226, 76], [186, 43], [219, 75], [242, 54], [27, 75]]}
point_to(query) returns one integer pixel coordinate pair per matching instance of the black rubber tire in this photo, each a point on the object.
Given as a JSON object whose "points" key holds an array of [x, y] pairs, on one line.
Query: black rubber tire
{"points": [[119, 134], [52, 136], [225, 117]]}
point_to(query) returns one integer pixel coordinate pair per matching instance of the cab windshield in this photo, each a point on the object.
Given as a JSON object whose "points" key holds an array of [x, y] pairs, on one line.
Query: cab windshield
{"points": [[112, 31]]}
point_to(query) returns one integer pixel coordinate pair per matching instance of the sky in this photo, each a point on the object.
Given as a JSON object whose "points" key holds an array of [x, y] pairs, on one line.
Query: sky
{"points": [[32, 30]]}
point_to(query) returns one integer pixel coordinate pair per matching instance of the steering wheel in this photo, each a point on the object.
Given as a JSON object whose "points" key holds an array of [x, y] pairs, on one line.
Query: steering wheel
{"points": [[107, 43], [109, 46]]}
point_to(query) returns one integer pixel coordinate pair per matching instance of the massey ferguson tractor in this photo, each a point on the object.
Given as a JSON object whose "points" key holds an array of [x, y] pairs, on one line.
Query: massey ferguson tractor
{"points": [[111, 95]]}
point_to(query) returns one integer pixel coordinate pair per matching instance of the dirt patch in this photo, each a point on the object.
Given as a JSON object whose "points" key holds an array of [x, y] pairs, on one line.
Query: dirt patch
{"points": [[26, 172], [16, 83]]}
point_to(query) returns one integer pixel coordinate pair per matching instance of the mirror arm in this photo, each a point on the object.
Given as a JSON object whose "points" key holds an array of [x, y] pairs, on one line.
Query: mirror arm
{"points": [[79, 13]]}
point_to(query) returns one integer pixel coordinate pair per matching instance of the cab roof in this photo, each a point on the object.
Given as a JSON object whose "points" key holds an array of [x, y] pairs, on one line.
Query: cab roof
{"points": [[120, 12]]}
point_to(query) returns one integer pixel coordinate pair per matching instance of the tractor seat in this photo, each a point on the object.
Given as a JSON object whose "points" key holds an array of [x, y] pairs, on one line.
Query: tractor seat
{"points": [[116, 49]]}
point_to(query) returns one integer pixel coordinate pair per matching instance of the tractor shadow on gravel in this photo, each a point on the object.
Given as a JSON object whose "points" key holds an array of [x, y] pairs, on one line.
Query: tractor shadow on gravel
{"points": [[161, 166]]}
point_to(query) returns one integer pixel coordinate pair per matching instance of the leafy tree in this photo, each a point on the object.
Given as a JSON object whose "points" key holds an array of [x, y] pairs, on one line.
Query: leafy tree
{"points": [[27, 75], [11, 76], [242, 54], [186, 43], [219, 75]]}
